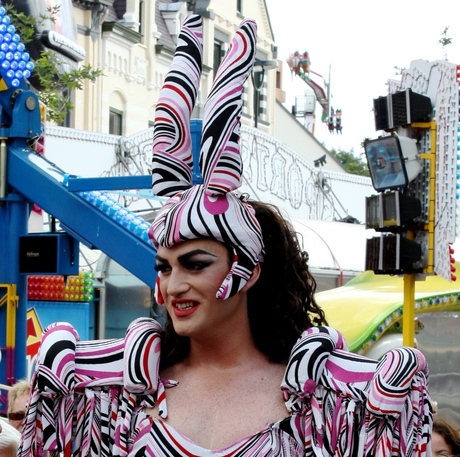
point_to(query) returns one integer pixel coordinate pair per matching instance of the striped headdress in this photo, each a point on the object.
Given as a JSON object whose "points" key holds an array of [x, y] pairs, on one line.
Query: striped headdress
{"points": [[212, 209]]}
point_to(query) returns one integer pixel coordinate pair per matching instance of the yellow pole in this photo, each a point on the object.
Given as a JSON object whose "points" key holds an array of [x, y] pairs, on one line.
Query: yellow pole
{"points": [[409, 304], [409, 310], [10, 299], [431, 210], [409, 279], [430, 224]]}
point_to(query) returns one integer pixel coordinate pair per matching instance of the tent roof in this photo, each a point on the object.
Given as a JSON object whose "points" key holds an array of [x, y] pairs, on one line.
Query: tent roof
{"points": [[336, 246]]}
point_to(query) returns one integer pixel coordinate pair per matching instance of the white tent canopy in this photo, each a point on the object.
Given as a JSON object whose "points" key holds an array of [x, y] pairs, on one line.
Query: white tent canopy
{"points": [[333, 245]]}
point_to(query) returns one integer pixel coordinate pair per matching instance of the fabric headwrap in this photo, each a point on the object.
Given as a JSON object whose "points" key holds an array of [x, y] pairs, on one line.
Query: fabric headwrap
{"points": [[212, 209]]}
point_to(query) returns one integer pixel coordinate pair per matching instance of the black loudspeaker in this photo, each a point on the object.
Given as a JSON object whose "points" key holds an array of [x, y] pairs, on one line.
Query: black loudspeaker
{"points": [[401, 109], [381, 117], [48, 253]]}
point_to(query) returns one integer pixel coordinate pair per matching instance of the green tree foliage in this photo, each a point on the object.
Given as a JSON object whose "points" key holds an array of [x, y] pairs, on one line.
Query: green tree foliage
{"points": [[354, 165], [445, 40], [56, 85]]}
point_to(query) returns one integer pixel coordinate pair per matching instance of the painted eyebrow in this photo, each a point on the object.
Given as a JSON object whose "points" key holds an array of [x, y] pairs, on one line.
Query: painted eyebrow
{"points": [[185, 257], [160, 259]]}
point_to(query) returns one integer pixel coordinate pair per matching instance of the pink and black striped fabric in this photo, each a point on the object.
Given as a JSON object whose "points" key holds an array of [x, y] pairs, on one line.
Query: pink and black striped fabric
{"points": [[84, 393], [357, 406], [88, 397], [212, 209]]}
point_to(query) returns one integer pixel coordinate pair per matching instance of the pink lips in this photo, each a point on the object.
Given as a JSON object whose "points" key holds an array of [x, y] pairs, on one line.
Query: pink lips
{"points": [[184, 312]]}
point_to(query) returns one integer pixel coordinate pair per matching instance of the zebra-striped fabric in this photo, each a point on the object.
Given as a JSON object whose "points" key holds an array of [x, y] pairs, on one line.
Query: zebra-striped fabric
{"points": [[88, 398], [84, 393], [358, 406], [172, 142], [209, 210]]}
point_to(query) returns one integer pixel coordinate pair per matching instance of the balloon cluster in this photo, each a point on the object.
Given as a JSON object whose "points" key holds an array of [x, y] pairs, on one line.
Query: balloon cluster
{"points": [[15, 62]]}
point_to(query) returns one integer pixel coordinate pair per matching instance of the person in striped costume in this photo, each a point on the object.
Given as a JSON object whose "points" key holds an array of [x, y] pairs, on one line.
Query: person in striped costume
{"points": [[246, 364], [238, 295]]}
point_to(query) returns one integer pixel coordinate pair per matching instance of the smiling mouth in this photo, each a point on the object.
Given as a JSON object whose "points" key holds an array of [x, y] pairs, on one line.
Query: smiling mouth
{"points": [[184, 306]]}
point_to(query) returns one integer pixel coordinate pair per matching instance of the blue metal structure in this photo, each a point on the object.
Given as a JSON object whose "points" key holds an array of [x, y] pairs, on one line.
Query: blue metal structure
{"points": [[30, 178], [83, 211], [19, 122], [78, 216], [80, 204]]}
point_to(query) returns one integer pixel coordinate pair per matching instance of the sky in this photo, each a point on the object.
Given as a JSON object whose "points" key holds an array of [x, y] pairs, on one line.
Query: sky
{"points": [[358, 43]]}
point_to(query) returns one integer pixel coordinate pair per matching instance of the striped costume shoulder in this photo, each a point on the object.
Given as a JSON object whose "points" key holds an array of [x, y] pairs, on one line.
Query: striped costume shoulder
{"points": [[356, 406], [85, 393]]}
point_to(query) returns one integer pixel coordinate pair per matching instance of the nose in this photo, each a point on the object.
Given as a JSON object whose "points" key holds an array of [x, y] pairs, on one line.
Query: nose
{"points": [[176, 283]]}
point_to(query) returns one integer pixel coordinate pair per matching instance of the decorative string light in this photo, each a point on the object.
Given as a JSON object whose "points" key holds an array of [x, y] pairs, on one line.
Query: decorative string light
{"points": [[15, 63]]}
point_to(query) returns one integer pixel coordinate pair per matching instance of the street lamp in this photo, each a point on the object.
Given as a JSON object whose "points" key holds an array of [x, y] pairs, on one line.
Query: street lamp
{"points": [[257, 78]]}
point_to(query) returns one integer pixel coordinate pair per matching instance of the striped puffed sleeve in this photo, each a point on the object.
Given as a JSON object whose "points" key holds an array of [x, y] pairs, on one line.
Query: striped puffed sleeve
{"points": [[356, 406]]}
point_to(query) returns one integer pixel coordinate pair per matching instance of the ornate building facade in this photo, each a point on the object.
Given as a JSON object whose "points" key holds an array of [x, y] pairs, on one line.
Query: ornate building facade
{"points": [[133, 42]]}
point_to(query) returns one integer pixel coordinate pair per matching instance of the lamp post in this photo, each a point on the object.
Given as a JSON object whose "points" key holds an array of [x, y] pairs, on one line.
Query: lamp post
{"points": [[257, 78]]}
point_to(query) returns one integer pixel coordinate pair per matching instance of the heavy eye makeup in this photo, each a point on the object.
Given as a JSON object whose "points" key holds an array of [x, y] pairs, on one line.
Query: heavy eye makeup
{"points": [[196, 260]]}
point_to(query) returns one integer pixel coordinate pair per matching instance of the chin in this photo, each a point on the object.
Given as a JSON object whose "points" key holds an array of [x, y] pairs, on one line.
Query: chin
{"points": [[183, 329]]}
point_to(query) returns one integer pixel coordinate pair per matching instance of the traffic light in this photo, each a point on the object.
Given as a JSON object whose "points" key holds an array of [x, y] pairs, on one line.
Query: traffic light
{"points": [[399, 211]]}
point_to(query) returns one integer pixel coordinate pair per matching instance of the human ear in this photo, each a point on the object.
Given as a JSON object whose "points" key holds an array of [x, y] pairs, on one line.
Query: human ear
{"points": [[253, 279]]}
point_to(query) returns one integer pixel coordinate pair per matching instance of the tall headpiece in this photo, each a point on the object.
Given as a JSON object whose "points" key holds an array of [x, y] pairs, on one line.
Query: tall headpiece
{"points": [[212, 209]]}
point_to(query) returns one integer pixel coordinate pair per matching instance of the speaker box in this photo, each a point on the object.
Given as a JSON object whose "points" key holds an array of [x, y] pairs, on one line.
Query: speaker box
{"points": [[381, 118], [49, 253]]}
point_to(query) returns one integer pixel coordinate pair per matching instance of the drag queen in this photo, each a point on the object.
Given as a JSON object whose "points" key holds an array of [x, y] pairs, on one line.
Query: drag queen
{"points": [[246, 364]]}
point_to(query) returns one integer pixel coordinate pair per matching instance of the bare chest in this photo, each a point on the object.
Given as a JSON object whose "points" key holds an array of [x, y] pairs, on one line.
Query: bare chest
{"points": [[220, 410]]}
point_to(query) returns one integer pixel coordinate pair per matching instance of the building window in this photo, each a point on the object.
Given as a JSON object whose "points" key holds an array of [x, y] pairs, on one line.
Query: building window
{"points": [[244, 97], [220, 48], [263, 102], [67, 120], [115, 122], [260, 97], [217, 56], [141, 16], [258, 87], [239, 6]]}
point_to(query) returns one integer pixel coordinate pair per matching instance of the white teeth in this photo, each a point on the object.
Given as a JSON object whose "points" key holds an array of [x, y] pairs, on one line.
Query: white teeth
{"points": [[183, 306]]}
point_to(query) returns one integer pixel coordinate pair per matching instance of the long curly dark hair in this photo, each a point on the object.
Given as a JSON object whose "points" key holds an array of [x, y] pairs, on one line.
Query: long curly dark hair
{"points": [[281, 304]]}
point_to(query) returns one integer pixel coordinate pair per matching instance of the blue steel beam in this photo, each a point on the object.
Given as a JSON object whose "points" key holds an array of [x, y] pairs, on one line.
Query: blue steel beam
{"points": [[76, 184], [35, 179]]}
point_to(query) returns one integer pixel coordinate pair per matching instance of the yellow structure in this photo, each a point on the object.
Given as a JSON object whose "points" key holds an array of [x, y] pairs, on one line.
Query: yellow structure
{"points": [[371, 306], [10, 300]]}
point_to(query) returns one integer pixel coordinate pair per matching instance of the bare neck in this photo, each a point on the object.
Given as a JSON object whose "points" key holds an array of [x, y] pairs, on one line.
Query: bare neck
{"points": [[232, 348]]}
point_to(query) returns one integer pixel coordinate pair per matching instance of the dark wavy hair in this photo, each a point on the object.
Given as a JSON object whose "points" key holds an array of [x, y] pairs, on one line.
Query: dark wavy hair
{"points": [[450, 435], [281, 304]]}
